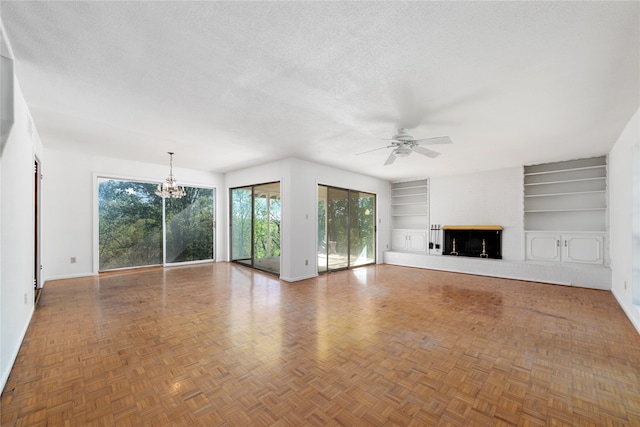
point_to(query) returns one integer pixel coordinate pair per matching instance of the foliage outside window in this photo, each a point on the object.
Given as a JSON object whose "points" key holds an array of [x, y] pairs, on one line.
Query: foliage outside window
{"points": [[255, 226], [266, 227], [346, 228], [241, 217], [189, 226], [130, 232]]}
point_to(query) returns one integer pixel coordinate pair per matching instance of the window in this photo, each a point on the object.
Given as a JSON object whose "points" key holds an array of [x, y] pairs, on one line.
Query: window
{"points": [[346, 228], [189, 226], [255, 226], [130, 225]]}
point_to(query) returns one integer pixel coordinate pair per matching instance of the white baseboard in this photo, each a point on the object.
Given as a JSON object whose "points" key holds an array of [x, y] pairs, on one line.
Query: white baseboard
{"points": [[586, 276], [69, 276], [14, 353], [297, 279], [635, 320]]}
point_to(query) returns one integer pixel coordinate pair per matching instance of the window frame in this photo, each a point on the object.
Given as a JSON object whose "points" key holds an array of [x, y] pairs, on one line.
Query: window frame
{"points": [[96, 220]]}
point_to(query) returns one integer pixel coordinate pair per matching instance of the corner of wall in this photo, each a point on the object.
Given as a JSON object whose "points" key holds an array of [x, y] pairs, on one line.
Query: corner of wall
{"points": [[624, 189], [632, 311]]}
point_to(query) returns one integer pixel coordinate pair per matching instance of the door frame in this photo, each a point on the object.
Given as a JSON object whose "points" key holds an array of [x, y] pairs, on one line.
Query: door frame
{"points": [[251, 260], [375, 228], [37, 226]]}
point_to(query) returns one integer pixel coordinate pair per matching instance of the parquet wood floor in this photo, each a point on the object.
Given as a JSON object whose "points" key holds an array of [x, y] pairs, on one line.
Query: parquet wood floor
{"points": [[223, 345]]}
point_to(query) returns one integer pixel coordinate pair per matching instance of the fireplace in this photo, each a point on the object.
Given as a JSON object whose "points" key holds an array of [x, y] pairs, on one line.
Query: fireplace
{"points": [[479, 241]]}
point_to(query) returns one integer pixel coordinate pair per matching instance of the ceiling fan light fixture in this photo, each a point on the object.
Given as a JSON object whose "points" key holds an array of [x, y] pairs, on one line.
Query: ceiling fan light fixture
{"points": [[402, 151]]}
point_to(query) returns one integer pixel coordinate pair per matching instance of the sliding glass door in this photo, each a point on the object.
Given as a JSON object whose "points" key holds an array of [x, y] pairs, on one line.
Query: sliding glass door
{"points": [[131, 231], [338, 228], [346, 228], [266, 227], [323, 241], [255, 226], [189, 226], [241, 224], [362, 225]]}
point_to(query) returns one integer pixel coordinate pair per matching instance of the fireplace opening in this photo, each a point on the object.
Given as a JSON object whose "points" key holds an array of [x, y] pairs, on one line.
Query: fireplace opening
{"points": [[479, 241]]}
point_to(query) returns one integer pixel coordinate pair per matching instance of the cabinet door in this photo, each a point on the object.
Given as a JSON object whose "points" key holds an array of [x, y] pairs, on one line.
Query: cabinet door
{"points": [[583, 248], [543, 247], [398, 240], [417, 241]]}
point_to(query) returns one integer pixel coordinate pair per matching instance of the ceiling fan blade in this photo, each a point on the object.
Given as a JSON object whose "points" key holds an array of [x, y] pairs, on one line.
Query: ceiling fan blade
{"points": [[425, 151], [433, 141], [390, 159], [371, 151], [404, 96]]}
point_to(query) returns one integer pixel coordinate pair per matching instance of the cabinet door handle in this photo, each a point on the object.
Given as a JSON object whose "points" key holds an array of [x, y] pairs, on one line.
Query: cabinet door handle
{"points": [[558, 243], [565, 244]]}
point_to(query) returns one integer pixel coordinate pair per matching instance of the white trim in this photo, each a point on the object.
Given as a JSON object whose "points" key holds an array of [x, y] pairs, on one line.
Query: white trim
{"points": [[14, 355], [70, 276], [580, 275], [630, 315], [296, 279], [96, 219], [183, 263], [37, 217], [96, 224]]}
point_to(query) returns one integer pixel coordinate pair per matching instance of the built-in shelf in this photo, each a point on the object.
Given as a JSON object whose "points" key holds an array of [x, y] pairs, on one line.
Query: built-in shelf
{"points": [[410, 205], [401, 187], [564, 170], [565, 197], [567, 210], [565, 181], [565, 194]]}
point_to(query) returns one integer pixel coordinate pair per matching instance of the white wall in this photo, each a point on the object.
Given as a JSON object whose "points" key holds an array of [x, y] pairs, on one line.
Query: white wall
{"points": [[484, 198], [17, 237], [69, 202], [621, 198], [299, 200]]}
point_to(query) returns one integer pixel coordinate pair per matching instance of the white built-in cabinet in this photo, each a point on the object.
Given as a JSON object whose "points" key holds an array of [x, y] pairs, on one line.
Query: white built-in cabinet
{"points": [[410, 216], [565, 208], [409, 240], [581, 248]]}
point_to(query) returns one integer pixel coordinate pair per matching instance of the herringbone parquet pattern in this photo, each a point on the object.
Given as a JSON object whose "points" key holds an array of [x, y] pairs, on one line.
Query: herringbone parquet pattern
{"points": [[223, 345]]}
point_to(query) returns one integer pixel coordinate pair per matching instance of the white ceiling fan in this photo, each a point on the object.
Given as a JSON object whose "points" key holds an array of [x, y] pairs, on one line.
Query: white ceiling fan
{"points": [[404, 144]]}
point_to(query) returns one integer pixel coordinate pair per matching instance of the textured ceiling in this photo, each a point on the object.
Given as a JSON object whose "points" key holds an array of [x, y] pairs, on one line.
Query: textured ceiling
{"points": [[228, 85]]}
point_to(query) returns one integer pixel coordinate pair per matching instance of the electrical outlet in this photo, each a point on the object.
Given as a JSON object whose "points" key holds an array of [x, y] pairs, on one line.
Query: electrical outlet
{"points": [[306, 262], [73, 260]]}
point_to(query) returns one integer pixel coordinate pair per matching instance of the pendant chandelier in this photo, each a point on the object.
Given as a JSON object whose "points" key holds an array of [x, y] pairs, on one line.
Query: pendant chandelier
{"points": [[170, 188]]}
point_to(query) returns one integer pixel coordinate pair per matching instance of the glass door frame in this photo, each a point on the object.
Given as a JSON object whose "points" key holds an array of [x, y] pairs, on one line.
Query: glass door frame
{"points": [[252, 260], [348, 231], [213, 230], [231, 236]]}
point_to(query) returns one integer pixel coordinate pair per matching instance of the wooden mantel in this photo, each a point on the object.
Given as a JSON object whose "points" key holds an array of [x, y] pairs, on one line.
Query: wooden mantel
{"points": [[472, 227]]}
